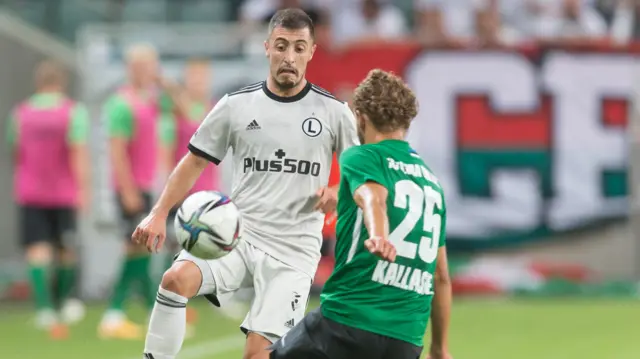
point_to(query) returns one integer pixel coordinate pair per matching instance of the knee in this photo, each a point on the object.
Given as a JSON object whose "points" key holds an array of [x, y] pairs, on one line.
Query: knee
{"points": [[183, 278], [39, 254]]}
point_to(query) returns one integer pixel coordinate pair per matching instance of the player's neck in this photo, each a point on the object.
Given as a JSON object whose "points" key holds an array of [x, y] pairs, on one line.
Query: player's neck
{"points": [[139, 87], [273, 87], [49, 90], [380, 136]]}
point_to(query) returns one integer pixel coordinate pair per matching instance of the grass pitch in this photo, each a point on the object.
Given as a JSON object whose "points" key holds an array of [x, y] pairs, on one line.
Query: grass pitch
{"points": [[481, 329]]}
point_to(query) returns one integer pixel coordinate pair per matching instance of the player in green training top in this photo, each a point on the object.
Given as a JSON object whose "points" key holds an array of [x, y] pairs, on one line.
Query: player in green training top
{"points": [[391, 270]]}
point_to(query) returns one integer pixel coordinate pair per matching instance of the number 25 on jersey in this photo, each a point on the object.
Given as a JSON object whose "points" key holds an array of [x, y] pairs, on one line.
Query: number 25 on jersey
{"points": [[419, 203]]}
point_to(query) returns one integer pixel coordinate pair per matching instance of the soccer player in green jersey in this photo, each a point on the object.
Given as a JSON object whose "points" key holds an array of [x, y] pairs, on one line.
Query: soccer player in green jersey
{"points": [[391, 270]]}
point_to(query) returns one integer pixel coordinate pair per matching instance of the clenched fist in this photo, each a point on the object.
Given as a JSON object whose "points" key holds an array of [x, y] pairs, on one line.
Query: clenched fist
{"points": [[381, 248]]}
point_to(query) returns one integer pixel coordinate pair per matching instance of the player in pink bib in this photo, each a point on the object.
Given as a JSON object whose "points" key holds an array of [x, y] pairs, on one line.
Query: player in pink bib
{"points": [[133, 116], [48, 134]]}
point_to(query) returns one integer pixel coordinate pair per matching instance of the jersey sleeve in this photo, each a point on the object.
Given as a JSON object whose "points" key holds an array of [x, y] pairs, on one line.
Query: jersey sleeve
{"points": [[359, 165], [212, 139], [119, 117], [346, 134], [78, 132], [12, 130]]}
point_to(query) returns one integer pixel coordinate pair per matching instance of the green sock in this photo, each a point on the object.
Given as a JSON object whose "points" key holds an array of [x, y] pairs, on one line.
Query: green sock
{"points": [[148, 287], [66, 275], [40, 286], [121, 289]]}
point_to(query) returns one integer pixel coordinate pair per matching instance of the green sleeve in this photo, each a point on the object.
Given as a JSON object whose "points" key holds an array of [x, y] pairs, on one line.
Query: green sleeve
{"points": [[359, 165], [12, 130], [79, 125], [167, 129], [119, 117]]}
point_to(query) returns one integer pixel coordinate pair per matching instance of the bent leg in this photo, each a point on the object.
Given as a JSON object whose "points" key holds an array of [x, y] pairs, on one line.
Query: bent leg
{"points": [[281, 294], [189, 276], [167, 326]]}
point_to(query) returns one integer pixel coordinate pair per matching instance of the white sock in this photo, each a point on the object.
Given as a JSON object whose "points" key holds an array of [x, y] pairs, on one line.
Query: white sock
{"points": [[167, 326]]}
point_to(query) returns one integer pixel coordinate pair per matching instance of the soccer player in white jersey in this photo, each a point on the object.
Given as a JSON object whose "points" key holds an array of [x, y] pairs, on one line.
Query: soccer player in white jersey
{"points": [[283, 133]]}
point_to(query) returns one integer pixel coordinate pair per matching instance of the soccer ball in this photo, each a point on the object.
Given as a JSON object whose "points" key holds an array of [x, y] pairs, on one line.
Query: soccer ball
{"points": [[208, 225]]}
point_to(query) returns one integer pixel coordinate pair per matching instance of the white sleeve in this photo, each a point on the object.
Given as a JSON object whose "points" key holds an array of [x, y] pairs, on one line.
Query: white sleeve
{"points": [[346, 134], [212, 139]]}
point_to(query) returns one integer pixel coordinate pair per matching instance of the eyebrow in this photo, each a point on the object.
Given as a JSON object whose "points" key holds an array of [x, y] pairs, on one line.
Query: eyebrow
{"points": [[287, 41]]}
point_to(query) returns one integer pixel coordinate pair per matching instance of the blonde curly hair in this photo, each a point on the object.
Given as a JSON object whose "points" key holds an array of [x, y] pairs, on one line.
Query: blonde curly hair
{"points": [[386, 100]]}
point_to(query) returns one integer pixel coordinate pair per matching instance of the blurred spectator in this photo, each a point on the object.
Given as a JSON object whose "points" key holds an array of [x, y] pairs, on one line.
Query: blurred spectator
{"points": [[554, 19], [626, 21], [365, 21], [457, 22]]}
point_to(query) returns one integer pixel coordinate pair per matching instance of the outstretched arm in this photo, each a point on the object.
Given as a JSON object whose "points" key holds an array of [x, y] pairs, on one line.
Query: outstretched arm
{"points": [[179, 183], [371, 197]]}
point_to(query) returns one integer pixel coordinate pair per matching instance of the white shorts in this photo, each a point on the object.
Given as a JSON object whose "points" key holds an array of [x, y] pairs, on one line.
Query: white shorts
{"points": [[280, 292]]}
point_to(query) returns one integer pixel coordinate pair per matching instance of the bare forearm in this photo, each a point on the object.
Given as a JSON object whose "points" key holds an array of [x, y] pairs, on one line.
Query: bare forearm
{"points": [[375, 219], [81, 167], [440, 314], [122, 170], [180, 182], [372, 200], [167, 160]]}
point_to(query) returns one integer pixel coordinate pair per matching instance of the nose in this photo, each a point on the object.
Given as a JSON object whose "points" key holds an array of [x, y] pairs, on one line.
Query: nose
{"points": [[289, 56]]}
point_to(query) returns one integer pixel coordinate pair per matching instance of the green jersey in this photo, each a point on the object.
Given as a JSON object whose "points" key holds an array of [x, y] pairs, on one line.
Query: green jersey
{"points": [[365, 292]]}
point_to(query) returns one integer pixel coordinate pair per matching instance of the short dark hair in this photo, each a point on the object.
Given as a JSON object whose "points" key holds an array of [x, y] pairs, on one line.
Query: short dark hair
{"points": [[292, 19], [387, 101]]}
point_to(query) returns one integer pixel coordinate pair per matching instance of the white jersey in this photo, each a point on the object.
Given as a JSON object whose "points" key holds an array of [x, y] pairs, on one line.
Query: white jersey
{"points": [[282, 153]]}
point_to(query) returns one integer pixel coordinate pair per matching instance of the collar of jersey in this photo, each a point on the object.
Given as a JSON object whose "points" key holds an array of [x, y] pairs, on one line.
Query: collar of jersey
{"points": [[297, 97]]}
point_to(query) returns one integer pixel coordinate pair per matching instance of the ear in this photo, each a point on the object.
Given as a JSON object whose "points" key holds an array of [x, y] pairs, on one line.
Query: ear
{"points": [[266, 48], [313, 51]]}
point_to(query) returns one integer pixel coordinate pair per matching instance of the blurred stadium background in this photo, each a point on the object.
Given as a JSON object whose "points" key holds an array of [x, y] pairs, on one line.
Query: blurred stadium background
{"points": [[529, 117]]}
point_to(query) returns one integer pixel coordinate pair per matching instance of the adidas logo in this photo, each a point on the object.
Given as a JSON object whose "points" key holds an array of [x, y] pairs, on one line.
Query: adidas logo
{"points": [[290, 323], [253, 126]]}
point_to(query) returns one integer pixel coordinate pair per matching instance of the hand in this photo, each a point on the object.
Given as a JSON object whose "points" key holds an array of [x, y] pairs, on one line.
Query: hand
{"points": [[381, 248], [151, 232], [132, 202], [327, 199]]}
